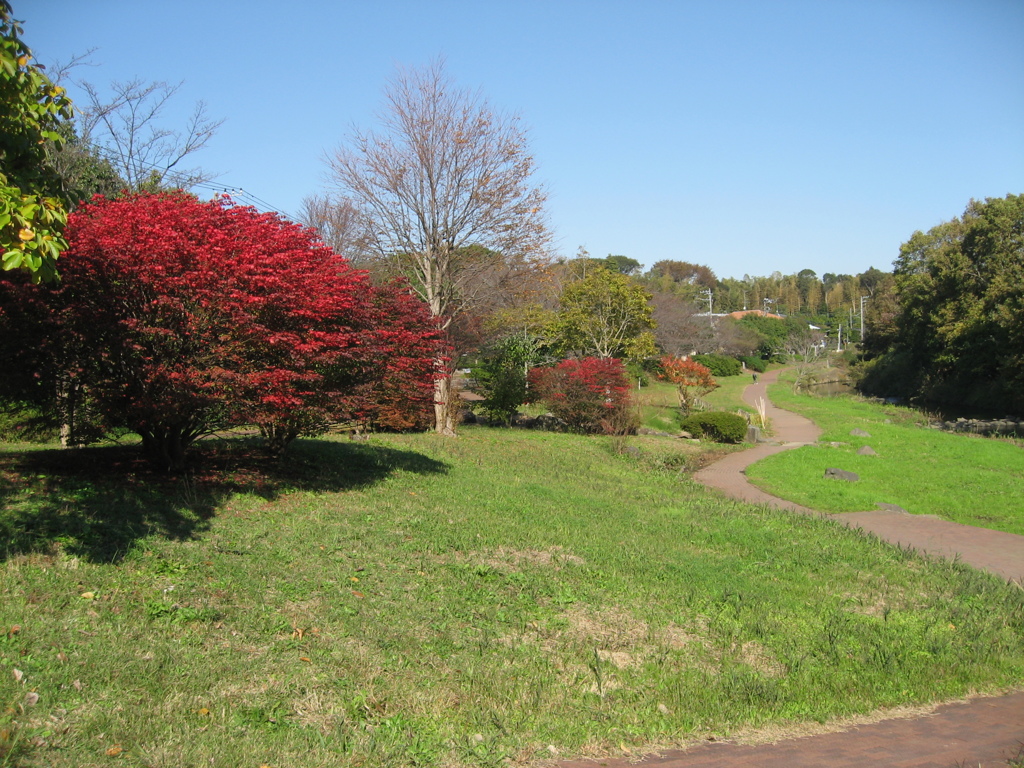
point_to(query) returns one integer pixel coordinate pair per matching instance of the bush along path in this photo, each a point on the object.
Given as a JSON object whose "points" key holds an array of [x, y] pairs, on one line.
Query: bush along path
{"points": [[982, 732]]}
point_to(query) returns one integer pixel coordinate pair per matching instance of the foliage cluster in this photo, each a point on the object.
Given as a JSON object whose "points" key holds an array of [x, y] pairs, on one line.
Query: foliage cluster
{"points": [[32, 110], [720, 365], [589, 394], [605, 314], [720, 426], [754, 363], [22, 422], [692, 380], [958, 331], [175, 318], [777, 337], [502, 376]]}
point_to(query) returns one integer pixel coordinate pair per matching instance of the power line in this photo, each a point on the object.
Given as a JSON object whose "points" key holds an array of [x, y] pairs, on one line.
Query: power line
{"points": [[235, 193]]}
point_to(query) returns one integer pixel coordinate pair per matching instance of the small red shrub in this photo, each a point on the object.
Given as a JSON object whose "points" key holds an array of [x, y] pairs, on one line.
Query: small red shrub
{"points": [[590, 394]]}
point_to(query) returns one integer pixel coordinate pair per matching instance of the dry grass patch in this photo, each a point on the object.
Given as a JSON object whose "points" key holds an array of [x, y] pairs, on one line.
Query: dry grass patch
{"points": [[509, 560]]}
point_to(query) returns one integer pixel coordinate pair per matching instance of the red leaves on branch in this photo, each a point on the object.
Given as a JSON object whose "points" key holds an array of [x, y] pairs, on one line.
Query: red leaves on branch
{"points": [[692, 379], [587, 394], [187, 316]]}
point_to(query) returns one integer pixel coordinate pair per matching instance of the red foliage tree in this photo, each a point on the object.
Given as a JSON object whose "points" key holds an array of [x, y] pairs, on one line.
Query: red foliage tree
{"points": [[401, 397], [181, 317], [590, 394], [690, 377]]}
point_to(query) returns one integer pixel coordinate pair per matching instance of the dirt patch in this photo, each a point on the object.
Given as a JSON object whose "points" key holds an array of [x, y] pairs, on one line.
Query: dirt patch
{"points": [[508, 560]]}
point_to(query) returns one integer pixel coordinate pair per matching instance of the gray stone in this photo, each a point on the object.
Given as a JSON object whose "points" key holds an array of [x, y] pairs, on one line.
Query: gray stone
{"points": [[753, 434], [685, 435], [550, 423], [858, 433], [841, 474], [866, 450], [891, 508]]}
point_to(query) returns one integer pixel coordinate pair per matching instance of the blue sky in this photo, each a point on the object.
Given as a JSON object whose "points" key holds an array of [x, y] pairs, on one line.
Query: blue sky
{"points": [[747, 136]]}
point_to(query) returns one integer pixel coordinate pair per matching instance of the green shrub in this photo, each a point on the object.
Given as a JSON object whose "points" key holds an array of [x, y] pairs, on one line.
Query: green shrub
{"points": [[720, 426], [720, 365], [755, 363], [24, 423], [501, 377]]}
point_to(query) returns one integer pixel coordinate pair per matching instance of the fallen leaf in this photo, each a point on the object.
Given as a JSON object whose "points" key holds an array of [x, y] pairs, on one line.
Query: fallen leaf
{"points": [[357, 594], [114, 751], [77, 684], [18, 675], [62, 657], [353, 578], [305, 659], [31, 699], [88, 595], [202, 712], [14, 630]]}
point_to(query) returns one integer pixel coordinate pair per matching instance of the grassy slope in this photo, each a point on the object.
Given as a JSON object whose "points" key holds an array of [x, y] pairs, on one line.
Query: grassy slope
{"points": [[660, 402], [963, 478], [424, 601]]}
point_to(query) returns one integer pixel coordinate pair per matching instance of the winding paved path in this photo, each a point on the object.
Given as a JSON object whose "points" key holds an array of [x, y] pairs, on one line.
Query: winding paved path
{"points": [[995, 551], [979, 733]]}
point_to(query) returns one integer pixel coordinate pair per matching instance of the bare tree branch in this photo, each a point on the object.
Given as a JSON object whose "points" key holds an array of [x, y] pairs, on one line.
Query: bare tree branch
{"points": [[126, 127]]}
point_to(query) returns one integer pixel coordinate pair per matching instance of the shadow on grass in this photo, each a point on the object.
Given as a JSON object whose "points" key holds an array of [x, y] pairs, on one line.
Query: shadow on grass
{"points": [[96, 503]]}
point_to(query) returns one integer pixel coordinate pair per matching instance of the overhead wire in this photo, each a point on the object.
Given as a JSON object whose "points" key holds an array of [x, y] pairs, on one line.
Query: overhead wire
{"points": [[237, 194]]}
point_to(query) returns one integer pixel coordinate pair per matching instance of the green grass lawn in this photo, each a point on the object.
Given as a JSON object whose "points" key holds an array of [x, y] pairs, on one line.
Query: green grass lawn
{"points": [[966, 479], [659, 401], [503, 596], [728, 396]]}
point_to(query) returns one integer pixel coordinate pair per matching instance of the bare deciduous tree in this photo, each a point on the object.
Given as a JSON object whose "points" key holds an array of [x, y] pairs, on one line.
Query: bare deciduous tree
{"points": [[680, 329], [339, 224], [445, 172], [126, 127]]}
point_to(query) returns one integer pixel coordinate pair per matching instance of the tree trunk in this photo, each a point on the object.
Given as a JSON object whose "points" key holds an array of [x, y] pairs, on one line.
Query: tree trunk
{"points": [[166, 448], [444, 407], [67, 400]]}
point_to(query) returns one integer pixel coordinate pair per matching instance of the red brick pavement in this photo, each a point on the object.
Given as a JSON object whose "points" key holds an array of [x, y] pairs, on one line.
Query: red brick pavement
{"points": [[980, 733]]}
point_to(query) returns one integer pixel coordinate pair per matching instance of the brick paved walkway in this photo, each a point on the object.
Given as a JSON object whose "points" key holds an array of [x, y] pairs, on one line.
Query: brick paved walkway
{"points": [[980, 733]]}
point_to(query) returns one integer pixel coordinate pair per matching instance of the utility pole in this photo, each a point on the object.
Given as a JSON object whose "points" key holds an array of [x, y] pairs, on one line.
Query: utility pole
{"points": [[711, 302], [862, 317]]}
